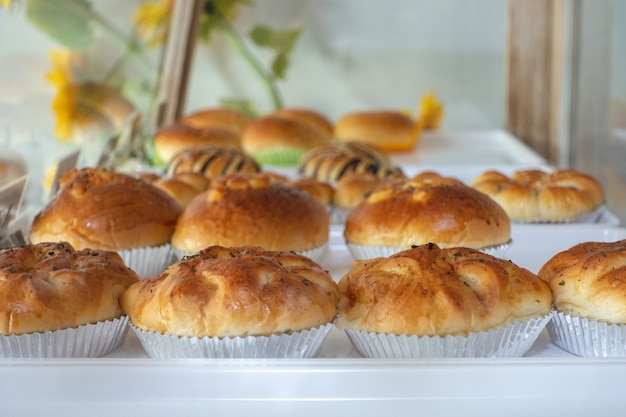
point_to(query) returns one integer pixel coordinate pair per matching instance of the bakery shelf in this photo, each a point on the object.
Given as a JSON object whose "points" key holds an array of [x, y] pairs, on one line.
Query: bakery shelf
{"points": [[546, 381]]}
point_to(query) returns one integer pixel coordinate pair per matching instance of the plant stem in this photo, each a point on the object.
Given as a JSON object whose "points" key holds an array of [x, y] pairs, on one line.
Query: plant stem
{"points": [[236, 40], [133, 48]]}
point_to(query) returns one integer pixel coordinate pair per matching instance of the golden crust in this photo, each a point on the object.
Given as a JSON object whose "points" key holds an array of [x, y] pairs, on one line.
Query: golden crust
{"points": [[233, 120], [183, 187], [429, 291], [170, 140], [589, 280], [391, 131], [50, 286], [252, 210], [278, 133], [99, 209], [428, 208], [321, 191], [239, 291], [330, 162], [212, 161], [353, 188], [308, 116], [539, 196]]}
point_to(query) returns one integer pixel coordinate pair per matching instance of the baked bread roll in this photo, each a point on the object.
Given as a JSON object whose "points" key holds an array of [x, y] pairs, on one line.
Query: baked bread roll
{"points": [[308, 116], [321, 191], [332, 161], [281, 141], [391, 131], [537, 196], [99, 209], [170, 140], [252, 210], [213, 161], [427, 208], [428, 291], [51, 286], [589, 280], [230, 119], [238, 291], [183, 187], [354, 187]]}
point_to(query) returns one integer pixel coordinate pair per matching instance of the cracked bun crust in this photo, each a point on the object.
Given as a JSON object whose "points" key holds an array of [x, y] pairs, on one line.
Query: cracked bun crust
{"points": [[589, 280], [252, 210], [239, 291], [427, 291], [428, 208], [99, 209], [537, 196], [51, 286]]}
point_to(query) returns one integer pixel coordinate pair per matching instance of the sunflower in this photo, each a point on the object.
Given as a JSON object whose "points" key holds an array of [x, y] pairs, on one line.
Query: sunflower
{"points": [[430, 112], [152, 20], [83, 108]]}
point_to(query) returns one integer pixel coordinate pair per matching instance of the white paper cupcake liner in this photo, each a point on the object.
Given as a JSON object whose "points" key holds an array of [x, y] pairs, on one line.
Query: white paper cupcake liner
{"points": [[369, 252], [303, 344], [509, 341], [86, 341], [584, 337], [314, 254], [149, 262], [583, 218]]}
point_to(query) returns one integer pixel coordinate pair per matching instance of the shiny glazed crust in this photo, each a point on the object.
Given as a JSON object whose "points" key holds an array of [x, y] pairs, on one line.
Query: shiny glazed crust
{"points": [[273, 133], [252, 210], [50, 286], [99, 209], [170, 140], [225, 118], [238, 291], [429, 291], [391, 131], [428, 208], [538, 196], [589, 280], [213, 161], [330, 162], [311, 117]]}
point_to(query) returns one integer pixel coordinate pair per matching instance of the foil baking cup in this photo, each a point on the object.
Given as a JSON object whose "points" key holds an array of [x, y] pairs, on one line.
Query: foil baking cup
{"points": [[509, 341], [584, 337], [296, 345], [150, 261], [86, 341], [362, 252]]}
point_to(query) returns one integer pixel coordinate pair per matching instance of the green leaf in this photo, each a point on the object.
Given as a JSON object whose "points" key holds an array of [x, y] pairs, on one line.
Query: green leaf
{"points": [[281, 41], [66, 21]]}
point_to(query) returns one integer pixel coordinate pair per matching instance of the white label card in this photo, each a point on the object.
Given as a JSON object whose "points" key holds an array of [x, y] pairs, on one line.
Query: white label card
{"points": [[64, 165], [11, 196]]}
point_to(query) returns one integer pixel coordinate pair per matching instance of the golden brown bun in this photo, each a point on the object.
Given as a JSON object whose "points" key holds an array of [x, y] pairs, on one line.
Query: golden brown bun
{"points": [[50, 286], [321, 191], [391, 131], [311, 117], [221, 117], [429, 291], [98, 209], [332, 161], [353, 188], [183, 187], [589, 280], [279, 134], [538, 196], [252, 210], [428, 208], [227, 292], [170, 140], [213, 161]]}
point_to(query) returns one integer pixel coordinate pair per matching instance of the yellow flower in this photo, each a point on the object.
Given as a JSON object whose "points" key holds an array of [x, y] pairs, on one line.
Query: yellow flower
{"points": [[84, 108], [152, 20], [430, 112], [5, 3]]}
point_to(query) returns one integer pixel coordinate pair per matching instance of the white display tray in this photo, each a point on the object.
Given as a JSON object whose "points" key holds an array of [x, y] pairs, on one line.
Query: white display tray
{"points": [[547, 381]]}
